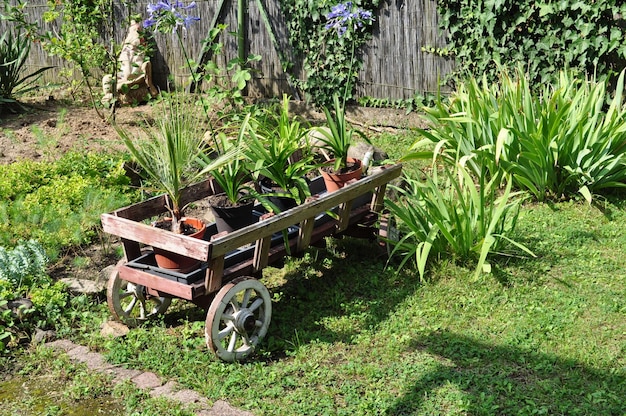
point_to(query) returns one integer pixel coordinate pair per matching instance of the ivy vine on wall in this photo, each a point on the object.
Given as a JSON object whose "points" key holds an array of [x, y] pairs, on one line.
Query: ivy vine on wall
{"points": [[545, 36]]}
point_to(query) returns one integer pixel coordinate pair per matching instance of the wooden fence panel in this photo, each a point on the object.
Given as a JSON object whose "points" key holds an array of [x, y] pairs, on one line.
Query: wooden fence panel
{"points": [[394, 65]]}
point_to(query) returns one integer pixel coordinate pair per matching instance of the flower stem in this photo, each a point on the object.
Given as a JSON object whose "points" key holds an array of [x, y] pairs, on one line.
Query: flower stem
{"points": [[193, 77]]}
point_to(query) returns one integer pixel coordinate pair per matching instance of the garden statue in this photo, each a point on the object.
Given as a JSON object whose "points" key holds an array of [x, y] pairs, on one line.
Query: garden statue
{"points": [[134, 81]]}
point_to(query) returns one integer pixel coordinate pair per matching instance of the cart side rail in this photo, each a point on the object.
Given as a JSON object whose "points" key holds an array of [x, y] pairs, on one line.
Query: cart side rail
{"points": [[155, 206], [306, 211], [163, 239]]}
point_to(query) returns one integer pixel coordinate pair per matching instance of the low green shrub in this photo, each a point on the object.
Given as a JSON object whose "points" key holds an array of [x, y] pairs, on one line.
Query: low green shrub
{"points": [[23, 275], [59, 203], [23, 265]]}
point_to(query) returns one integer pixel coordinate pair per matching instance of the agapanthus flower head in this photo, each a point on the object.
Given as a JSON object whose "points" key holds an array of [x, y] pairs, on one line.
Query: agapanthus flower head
{"points": [[344, 16], [165, 16]]}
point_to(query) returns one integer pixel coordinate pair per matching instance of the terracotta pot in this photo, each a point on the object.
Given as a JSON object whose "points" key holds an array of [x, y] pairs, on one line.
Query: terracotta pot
{"points": [[334, 180], [231, 218], [176, 262]]}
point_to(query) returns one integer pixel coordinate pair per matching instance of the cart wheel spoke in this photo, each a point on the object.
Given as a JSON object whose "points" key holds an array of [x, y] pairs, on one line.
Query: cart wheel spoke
{"points": [[130, 303], [225, 332], [256, 304], [129, 308], [235, 305], [246, 298], [233, 342], [124, 295], [238, 318], [142, 309], [246, 340]]}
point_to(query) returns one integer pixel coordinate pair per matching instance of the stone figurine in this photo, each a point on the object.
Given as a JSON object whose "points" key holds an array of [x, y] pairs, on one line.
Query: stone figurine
{"points": [[134, 80]]}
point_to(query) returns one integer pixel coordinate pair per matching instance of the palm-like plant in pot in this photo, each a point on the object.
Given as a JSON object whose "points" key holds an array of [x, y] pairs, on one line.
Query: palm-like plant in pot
{"points": [[167, 154], [336, 138], [232, 207], [282, 159]]}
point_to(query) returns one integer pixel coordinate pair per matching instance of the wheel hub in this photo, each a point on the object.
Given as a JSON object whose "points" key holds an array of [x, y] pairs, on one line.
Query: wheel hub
{"points": [[245, 321]]}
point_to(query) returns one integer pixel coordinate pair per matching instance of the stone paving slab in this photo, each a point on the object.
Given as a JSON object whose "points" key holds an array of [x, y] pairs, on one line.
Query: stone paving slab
{"points": [[121, 374], [146, 381]]}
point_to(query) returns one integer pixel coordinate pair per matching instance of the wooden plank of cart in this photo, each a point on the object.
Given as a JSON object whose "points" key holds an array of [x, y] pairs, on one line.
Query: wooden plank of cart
{"points": [[239, 305]]}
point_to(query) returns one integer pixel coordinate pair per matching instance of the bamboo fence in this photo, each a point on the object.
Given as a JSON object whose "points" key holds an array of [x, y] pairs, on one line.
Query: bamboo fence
{"points": [[395, 67]]}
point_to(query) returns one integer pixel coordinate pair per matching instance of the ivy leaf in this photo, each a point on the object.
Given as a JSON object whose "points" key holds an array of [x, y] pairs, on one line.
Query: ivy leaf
{"points": [[545, 9]]}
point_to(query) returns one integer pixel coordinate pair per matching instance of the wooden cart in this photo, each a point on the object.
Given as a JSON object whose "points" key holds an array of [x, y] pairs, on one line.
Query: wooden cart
{"points": [[239, 305]]}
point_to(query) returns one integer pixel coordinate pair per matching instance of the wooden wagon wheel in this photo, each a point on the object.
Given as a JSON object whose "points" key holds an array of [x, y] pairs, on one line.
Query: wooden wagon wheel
{"points": [[130, 303], [238, 318]]}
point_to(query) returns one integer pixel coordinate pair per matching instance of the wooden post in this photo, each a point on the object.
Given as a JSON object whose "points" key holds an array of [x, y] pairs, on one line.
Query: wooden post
{"points": [[213, 278], [304, 233], [261, 251]]}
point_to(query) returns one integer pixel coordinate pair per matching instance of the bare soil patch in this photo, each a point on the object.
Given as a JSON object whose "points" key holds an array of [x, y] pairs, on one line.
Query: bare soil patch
{"points": [[52, 127]]}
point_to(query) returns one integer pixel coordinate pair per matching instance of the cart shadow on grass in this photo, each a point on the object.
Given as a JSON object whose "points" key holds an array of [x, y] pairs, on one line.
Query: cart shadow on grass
{"points": [[346, 277], [347, 280]]}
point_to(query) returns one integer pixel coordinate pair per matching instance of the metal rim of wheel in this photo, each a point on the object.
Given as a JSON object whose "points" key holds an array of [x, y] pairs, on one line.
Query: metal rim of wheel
{"points": [[129, 303], [238, 319]]}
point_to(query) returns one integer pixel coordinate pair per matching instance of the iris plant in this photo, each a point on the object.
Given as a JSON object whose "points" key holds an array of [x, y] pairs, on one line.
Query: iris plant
{"points": [[167, 16]]}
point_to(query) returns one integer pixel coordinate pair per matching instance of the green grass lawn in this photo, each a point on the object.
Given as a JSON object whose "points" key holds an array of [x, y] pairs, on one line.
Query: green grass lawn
{"points": [[350, 336], [538, 336]]}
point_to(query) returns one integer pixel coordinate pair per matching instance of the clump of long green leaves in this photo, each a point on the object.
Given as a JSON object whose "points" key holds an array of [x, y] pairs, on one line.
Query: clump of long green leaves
{"points": [[170, 152], [232, 177], [14, 50], [449, 215], [279, 152], [566, 140]]}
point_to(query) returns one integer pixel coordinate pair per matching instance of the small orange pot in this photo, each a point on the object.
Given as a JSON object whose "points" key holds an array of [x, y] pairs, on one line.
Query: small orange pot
{"points": [[335, 181]]}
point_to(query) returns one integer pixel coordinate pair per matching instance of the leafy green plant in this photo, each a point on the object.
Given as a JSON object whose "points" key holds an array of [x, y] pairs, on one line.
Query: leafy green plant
{"points": [[560, 142], [222, 86], [337, 136], [453, 216], [280, 153], [77, 39]]}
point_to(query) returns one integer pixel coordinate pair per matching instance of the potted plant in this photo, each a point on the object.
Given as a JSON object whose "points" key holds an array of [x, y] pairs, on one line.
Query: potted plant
{"points": [[232, 207], [167, 155], [282, 160], [336, 138]]}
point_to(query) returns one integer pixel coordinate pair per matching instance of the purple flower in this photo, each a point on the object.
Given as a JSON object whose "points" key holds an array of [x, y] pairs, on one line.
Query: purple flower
{"points": [[165, 16], [344, 16]]}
